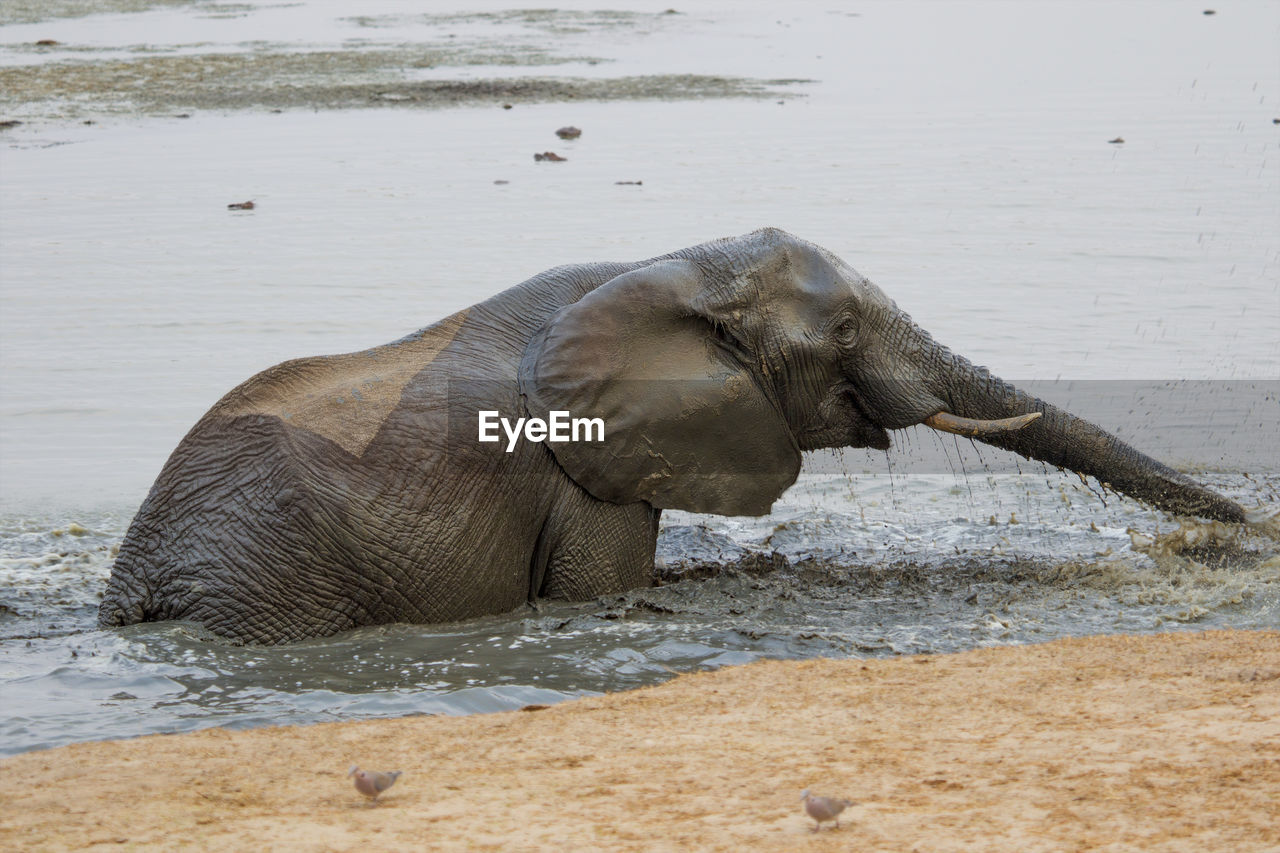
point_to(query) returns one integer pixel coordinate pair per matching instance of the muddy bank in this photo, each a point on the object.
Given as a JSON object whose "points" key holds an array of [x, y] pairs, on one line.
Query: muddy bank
{"points": [[33, 11], [329, 80], [1159, 743], [504, 58]]}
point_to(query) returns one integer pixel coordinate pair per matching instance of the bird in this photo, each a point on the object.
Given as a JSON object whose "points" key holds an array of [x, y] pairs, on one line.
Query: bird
{"points": [[371, 783], [823, 809]]}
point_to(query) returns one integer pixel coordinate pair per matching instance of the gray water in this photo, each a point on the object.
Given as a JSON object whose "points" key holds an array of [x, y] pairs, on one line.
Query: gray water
{"points": [[956, 153]]}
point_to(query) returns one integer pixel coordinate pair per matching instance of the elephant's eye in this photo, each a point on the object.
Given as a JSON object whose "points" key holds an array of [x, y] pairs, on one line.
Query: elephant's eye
{"points": [[846, 329]]}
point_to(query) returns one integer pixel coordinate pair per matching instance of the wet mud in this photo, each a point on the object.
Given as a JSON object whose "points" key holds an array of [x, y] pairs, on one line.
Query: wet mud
{"points": [[323, 80], [53, 79], [35, 11]]}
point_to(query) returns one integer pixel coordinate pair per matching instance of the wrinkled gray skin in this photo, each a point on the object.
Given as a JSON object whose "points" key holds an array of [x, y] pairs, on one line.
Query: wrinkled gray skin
{"points": [[332, 492]]}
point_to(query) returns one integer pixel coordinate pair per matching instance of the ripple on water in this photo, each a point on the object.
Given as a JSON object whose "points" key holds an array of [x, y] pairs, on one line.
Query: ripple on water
{"points": [[842, 568]]}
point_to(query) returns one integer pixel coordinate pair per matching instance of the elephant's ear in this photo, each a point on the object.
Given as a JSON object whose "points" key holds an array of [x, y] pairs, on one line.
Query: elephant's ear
{"points": [[686, 425]]}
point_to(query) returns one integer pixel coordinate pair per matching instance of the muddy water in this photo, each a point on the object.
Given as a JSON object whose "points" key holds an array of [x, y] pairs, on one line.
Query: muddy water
{"points": [[957, 154], [907, 564]]}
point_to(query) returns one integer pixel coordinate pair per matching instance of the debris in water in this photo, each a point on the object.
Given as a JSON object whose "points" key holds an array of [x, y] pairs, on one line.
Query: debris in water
{"points": [[48, 43], [1119, 140], [1264, 520], [1190, 534], [242, 205], [629, 183], [570, 132], [550, 156]]}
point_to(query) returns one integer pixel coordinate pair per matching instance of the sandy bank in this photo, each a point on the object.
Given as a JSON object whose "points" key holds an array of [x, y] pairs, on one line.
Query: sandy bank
{"points": [[1120, 743]]}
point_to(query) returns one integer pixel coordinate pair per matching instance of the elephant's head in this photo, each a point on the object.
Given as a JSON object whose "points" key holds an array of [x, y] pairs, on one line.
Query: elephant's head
{"points": [[715, 366]]}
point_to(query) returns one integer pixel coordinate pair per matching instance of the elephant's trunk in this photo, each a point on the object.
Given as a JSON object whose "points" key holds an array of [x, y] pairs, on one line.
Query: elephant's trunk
{"points": [[958, 387]]}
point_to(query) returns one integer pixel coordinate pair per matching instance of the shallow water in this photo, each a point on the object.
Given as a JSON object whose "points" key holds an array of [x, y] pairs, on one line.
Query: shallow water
{"points": [[955, 153], [847, 564]]}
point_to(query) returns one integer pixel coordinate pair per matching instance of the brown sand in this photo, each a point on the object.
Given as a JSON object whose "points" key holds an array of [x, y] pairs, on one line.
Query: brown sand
{"points": [[1167, 742]]}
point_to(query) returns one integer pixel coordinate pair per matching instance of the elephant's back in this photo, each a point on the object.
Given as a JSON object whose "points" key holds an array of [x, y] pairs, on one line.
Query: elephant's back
{"points": [[343, 398]]}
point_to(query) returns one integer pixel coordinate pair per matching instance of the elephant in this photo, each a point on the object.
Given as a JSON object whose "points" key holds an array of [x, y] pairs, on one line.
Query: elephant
{"points": [[338, 491]]}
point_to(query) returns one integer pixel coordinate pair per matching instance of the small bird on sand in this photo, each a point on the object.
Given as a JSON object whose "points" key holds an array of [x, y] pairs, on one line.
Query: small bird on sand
{"points": [[371, 783], [823, 809]]}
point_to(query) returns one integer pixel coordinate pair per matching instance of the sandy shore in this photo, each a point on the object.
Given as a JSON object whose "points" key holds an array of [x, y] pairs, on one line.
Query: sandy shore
{"points": [[1167, 742]]}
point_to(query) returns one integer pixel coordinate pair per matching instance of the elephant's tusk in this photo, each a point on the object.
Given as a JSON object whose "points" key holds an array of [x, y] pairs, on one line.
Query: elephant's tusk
{"points": [[947, 422]]}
